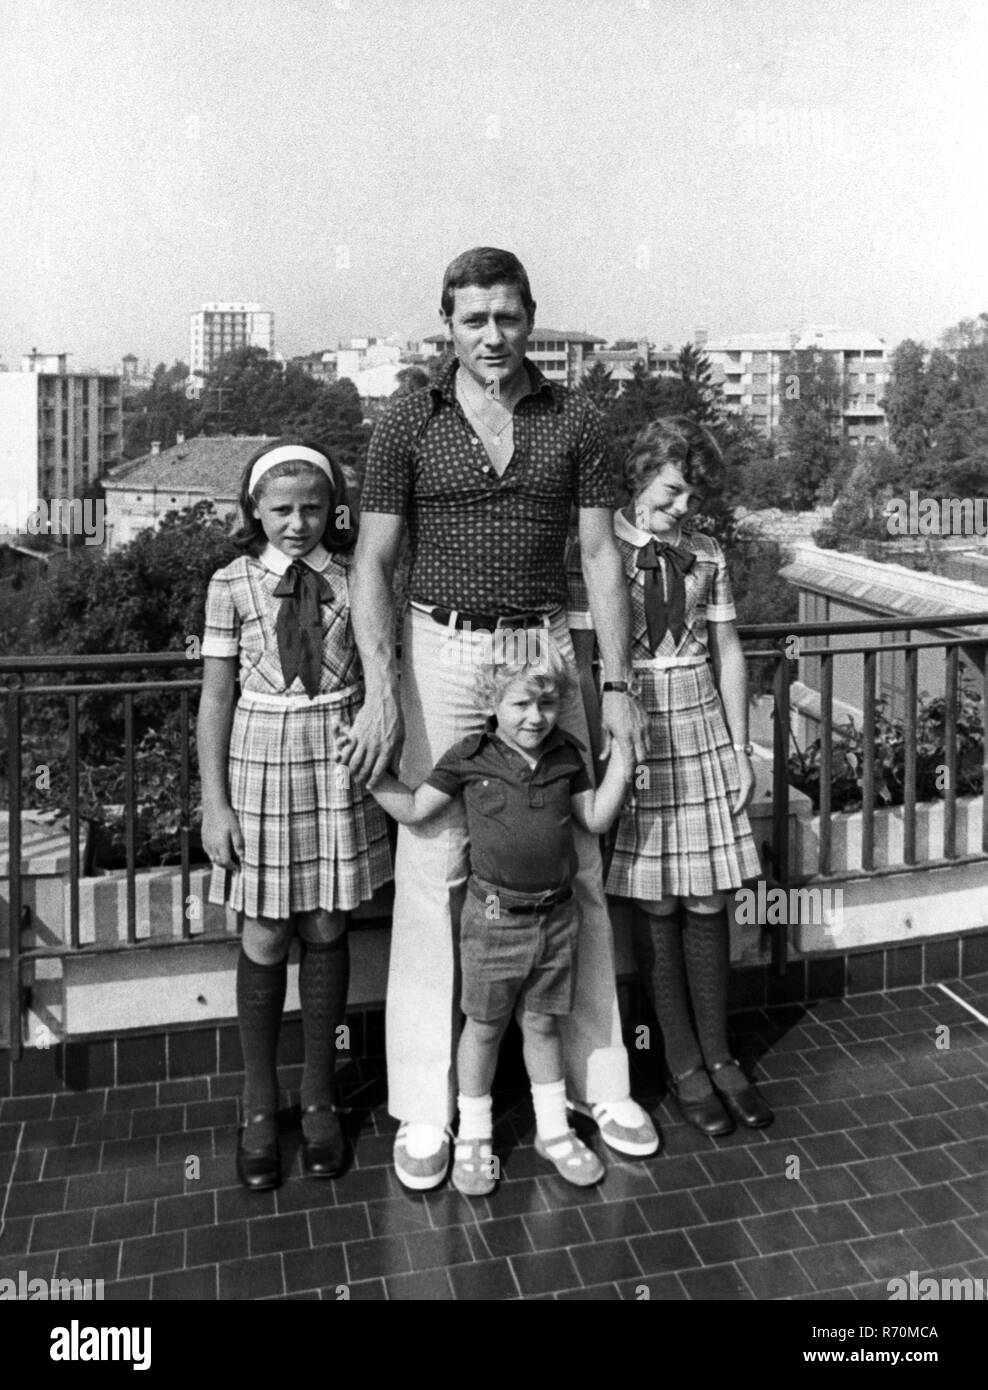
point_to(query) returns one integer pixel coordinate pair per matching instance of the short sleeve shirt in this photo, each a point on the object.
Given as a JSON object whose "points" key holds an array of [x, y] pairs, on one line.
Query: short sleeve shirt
{"points": [[481, 542], [708, 592], [242, 610], [518, 816]]}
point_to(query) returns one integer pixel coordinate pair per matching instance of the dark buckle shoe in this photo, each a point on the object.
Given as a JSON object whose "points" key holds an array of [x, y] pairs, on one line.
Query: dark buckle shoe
{"points": [[707, 1115], [258, 1169], [749, 1107], [323, 1158]]}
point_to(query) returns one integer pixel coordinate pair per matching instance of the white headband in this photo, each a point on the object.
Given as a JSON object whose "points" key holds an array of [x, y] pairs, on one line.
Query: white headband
{"points": [[287, 453]]}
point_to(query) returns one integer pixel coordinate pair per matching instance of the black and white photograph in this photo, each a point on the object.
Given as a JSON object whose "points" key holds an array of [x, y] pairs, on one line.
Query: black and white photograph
{"points": [[493, 635]]}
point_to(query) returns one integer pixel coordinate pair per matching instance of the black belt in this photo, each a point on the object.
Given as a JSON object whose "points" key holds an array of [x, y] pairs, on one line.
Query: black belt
{"points": [[483, 622], [561, 895]]}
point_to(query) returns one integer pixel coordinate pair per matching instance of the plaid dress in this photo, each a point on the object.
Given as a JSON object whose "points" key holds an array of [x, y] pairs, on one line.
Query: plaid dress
{"points": [[677, 836], [311, 839]]}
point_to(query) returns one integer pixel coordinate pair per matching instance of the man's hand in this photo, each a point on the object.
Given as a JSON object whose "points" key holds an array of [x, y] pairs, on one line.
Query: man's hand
{"points": [[747, 778], [622, 718], [374, 738]]}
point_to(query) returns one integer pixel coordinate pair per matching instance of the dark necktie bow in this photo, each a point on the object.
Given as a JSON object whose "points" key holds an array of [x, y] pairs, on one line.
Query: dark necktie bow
{"points": [[299, 625], [665, 613]]}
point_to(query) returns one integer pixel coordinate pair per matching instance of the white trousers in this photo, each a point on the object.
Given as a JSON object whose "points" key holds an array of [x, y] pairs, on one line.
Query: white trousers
{"points": [[423, 1017]]}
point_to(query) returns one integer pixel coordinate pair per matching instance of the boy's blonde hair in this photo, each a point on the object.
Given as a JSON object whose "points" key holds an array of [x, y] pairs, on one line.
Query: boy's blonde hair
{"points": [[531, 657]]}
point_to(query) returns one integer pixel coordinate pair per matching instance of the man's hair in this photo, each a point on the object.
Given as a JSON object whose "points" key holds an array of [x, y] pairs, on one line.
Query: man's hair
{"points": [[485, 266], [535, 661], [678, 440]]}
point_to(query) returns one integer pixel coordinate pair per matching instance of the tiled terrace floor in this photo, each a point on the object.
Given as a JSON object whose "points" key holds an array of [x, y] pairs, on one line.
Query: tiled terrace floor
{"points": [[890, 1132]]}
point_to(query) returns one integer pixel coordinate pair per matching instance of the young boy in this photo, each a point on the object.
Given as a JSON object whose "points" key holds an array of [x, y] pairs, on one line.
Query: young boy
{"points": [[523, 781]]}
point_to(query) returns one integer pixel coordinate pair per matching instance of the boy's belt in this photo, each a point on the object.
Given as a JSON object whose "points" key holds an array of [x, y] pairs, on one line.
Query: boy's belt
{"points": [[561, 895], [483, 622]]}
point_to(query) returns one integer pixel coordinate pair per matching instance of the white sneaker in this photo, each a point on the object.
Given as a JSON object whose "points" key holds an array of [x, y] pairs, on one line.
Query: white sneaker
{"points": [[624, 1126], [421, 1155]]}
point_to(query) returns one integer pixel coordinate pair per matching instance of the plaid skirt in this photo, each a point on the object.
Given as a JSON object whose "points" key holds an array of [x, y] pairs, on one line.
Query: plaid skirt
{"points": [[311, 839], [678, 835]]}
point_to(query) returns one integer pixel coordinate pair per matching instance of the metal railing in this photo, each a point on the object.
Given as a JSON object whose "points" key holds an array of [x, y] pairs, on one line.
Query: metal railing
{"points": [[772, 643]]}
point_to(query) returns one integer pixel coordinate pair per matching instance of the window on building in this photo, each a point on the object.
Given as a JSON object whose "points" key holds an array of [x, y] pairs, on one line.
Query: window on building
{"points": [[760, 381], [870, 379], [759, 361], [759, 400]]}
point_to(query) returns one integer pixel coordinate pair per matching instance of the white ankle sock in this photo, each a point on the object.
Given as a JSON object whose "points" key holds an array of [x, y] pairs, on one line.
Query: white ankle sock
{"points": [[475, 1117], [549, 1099]]}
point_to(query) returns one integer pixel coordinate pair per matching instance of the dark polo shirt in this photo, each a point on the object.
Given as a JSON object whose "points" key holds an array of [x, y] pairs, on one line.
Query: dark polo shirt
{"points": [[480, 542], [518, 817]]}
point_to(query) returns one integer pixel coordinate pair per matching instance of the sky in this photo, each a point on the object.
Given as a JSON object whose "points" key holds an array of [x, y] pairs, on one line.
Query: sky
{"points": [[658, 165]]}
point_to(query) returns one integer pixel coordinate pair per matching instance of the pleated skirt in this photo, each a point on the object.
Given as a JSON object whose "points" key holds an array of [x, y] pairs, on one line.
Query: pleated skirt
{"points": [[312, 839], [678, 835]]}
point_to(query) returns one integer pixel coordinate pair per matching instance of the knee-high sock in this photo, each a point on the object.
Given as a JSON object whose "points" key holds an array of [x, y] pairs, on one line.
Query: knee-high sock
{"points": [[658, 945], [260, 1002], [323, 980], [707, 945]]}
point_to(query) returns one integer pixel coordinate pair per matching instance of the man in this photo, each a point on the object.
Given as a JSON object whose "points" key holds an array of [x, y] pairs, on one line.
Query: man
{"points": [[483, 468]]}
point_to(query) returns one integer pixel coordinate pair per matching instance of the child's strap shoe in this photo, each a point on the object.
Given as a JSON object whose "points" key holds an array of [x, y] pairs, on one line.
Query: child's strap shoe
{"points": [[474, 1167], [571, 1159]]}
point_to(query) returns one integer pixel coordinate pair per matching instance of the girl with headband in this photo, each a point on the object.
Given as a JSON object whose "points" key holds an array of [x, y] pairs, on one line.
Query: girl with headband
{"points": [[294, 846]]}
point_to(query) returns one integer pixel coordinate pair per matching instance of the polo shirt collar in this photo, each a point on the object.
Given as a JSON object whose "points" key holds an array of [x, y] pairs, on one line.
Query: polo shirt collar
{"points": [[443, 387], [279, 563]]}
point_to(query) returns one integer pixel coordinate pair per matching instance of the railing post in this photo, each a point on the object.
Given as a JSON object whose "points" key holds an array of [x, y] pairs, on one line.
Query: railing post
{"points": [[950, 753], [868, 770], [14, 864], [780, 800], [909, 755], [826, 755]]}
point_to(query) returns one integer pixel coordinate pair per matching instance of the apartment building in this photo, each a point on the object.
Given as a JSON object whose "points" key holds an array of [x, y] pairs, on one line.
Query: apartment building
{"points": [[220, 328], [754, 371], [59, 429]]}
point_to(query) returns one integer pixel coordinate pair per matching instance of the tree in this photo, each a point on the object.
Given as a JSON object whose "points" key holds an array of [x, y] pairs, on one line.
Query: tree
{"points": [[248, 392], [410, 379], [160, 412], [598, 383], [811, 431], [335, 421], [699, 399]]}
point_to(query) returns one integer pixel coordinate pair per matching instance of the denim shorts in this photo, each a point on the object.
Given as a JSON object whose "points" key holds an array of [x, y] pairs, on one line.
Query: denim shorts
{"points": [[508, 957]]}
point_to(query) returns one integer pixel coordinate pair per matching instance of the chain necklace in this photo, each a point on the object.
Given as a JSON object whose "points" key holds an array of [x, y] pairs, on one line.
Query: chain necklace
{"points": [[477, 416]]}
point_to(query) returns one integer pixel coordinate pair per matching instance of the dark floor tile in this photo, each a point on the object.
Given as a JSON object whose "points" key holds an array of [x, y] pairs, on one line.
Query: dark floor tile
{"points": [[486, 1280], [368, 1259], [193, 1053], [941, 960], [152, 1181], [721, 1243], [95, 1190], [193, 1209], [963, 1091], [659, 1288], [670, 1211], [607, 1260], [593, 1293], [362, 1291], [613, 1219], [26, 1166], [974, 953], [976, 1229], [49, 1134], [551, 1229], [878, 1175], [974, 1190], [140, 1059], [832, 1184], [100, 1261], [781, 1231], [237, 1204], [15, 1235], [129, 1290], [935, 1204], [160, 1119], [397, 1215], [182, 1092], [152, 1254], [269, 1234], [366, 1185], [434, 1249], [969, 1123], [664, 1252], [832, 1222], [674, 1174], [38, 1266], [207, 1245], [923, 1100], [95, 1129], [332, 1226], [825, 1150], [885, 1256], [831, 1266], [876, 1109], [878, 1140], [544, 1271], [254, 1278], [884, 1213], [774, 1276], [191, 1285], [971, 1154], [35, 1198], [729, 1165], [430, 1285], [124, 1222], [507, 1236], [68, 1228], [518, 1198], [943, 1244], [17, 1108], [720, 1282], [725, 1202], [315, 1269], [931, 1166], [130, 1153], [778, 1194]]}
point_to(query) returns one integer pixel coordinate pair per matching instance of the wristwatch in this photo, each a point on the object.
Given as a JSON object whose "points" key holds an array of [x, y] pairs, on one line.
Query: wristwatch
{"points": [[746, 748], [621, 687]]}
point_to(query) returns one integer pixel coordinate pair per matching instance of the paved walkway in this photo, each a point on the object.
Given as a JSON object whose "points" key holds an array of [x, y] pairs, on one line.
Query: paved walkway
{"points": [[877, 1165]]}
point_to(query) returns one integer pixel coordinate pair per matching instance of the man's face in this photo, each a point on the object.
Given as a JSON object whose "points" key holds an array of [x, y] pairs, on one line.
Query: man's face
{"points": [[489, 331]]}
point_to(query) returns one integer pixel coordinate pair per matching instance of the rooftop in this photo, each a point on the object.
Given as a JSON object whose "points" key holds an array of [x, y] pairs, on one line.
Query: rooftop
{"points": [[210, 464], [827, 338]]}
